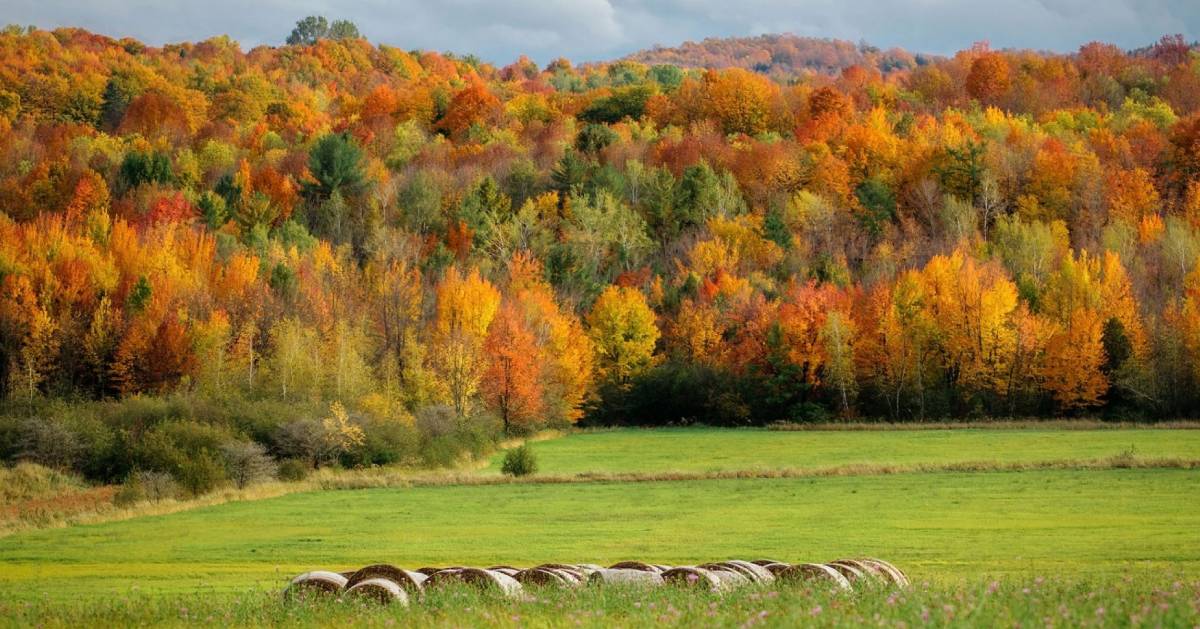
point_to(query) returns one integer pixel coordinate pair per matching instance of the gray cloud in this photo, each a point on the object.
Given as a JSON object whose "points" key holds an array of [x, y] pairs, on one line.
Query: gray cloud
{"points": [[499, 30]]}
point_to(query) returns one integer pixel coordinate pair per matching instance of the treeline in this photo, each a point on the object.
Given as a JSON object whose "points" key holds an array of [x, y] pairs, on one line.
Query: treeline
{"points": [[784, 57], [399, 256]]}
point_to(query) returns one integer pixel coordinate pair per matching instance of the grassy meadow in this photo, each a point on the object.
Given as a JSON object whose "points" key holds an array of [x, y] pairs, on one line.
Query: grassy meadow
{"points": [[968, 537], [716, 449]]}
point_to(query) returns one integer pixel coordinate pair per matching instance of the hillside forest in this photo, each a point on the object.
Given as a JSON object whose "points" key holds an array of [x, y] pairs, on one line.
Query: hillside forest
{"points": [[334, 251]]}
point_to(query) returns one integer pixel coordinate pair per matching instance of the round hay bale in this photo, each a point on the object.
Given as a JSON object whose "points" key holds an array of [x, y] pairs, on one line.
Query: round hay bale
{"points": [[764, 562], [776, 568], [588, 568], [625, 576], [561, 566], [487, 580], [635, 565], [868, 571], [317, 582], [429, 570], [730, 579], [348, 573], [852, 573], [380, 590], [573, 578], [692, 576], [409, 580], [543, 577], [752, 571], [893, 574], [813, 572], [572, 574], [512, 572], [504, 567]]}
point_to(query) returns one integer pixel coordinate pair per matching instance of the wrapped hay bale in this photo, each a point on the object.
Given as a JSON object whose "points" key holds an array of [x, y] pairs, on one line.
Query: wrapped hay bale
{"points": [[588, 568], [764, 562], [625, 576], [486, 580], [409, 580], [813, 572], [891, 572], [380, 590], [635, 565], [317, 582], [692, 576]]}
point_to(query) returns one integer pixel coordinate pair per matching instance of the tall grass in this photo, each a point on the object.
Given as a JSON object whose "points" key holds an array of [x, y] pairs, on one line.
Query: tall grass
{"points": [[1165, 601]]}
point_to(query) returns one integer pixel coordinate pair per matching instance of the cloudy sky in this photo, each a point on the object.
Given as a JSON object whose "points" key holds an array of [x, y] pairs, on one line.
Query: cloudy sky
{"points": [[585, 30]]}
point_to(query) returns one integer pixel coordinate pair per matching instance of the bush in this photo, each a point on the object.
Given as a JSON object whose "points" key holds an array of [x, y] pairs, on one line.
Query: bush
{"points": [[247, 463], [519, 461], [303, 439], [293, 470], [48, 442], [144, 485], [201, 473]]}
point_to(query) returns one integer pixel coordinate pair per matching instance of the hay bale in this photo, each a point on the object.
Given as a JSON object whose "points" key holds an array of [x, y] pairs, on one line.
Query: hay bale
{"points": [[562, 566], [813, 572], [692, 576], [588, 568], [547, 577], [625, 576], [852, 573], [635, 565], [409, 580], [776, 568], [891, 572], [730, 579], [317, 582], [380, 590], [764, 562], [754, 572], [486, 580], [512, 572], [868, 572], [573, 574]]}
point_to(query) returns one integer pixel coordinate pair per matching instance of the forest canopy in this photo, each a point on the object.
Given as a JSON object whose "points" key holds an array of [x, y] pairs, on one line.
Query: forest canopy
{"points": [[403, 244]]}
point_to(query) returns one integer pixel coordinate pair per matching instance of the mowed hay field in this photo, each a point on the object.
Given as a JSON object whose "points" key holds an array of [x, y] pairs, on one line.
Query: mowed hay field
{"points": [[963, 533], [716, 449]]}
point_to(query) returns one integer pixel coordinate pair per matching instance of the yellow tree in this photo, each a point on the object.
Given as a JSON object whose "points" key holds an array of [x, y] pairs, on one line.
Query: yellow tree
{"points": [[972, 305], [623, 330], [465, 308], [1071, 370]]}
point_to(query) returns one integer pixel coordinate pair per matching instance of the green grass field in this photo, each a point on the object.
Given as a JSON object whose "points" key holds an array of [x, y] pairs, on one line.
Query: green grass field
{"points": [[711, 449], [1130, 530]]}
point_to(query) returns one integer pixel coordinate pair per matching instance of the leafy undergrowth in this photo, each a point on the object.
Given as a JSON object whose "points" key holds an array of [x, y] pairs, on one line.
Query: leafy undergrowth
{"points": [[1034, 601]]}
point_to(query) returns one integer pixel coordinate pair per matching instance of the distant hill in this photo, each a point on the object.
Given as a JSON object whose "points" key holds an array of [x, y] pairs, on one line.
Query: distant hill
{"points": [[779, 55]]}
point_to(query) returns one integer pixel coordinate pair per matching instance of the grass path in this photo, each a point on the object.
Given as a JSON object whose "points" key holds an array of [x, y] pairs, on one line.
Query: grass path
{"points": [[938, 526]]}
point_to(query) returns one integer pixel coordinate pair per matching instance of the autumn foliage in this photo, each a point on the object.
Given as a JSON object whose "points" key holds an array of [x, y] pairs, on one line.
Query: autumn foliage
{"points": [[431, 241]]}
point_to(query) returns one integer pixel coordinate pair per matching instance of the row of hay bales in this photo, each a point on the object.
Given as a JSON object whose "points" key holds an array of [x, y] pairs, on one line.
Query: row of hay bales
{"points": [[389, 584]]}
